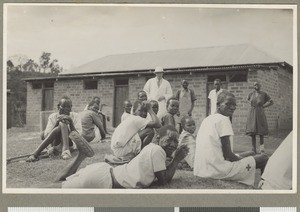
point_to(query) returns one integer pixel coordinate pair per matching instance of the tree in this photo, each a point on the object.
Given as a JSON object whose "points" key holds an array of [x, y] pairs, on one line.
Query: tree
{"points": [[31, 66], [45, 60]]}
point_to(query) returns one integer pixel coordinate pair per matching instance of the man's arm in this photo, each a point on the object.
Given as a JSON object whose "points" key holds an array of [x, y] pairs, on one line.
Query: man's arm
{"points": [[226, 148], [166, 176], [98, 123], [155, 123]]}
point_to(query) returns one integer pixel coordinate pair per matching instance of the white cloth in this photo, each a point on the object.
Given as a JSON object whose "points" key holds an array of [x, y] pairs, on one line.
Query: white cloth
{"points": [[209, 159], [53, 118], [125, 139], [140, 171], [213, 95], [189, 140], [96, 175], [278, 171], [125, 116], [153, 92]]}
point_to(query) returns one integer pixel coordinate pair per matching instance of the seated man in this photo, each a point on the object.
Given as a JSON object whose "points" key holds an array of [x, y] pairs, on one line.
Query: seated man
{"points": [[135, 132], [91, 120], [58, 128], [214, 157], [127, 109], [140, 172]]}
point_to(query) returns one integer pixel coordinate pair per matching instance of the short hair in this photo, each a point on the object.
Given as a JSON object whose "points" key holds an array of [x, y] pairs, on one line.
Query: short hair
{"points": [[184, 80], [138, 103], [172, 98], [92, 103], [141, 91], [217, 80], [222, 96], [154, 101], [184, 119], [126, 102], [65, 97], [168, 130]]}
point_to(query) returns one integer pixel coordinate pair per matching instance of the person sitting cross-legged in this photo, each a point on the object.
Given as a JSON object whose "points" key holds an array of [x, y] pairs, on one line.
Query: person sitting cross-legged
{"points": [[135, 132], [140, 172], [91, 121], [214, 157], [58, 129]]}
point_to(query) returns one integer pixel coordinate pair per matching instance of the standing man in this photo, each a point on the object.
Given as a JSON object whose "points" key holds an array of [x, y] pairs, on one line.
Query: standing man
{"points": [[213, 94], [159, 89]]}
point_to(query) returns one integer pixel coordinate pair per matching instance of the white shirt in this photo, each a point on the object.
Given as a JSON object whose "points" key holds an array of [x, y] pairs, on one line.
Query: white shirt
{"points": [[209, 159], [53, 119], [154, 92], [127, 129], [213, 95], [140, 171], [278, 171], [125, 116], [189, 140]]}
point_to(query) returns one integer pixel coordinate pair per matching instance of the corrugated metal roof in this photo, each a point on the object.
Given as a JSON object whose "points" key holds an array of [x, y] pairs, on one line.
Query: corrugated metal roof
{"points": [[176, 58]]}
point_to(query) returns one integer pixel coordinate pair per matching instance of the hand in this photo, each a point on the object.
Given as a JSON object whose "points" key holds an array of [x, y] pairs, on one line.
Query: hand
{"points": [[147, 104], [181, 152], [160, 98], [178, 113]]}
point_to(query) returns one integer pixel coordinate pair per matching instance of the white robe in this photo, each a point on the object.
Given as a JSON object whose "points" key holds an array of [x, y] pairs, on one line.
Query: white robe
{"points": [[154, 92]]}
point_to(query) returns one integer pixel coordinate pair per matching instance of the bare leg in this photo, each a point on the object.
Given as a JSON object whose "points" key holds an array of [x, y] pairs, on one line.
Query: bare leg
{"points": [[261, 137], [71, 168], [261, 161], [64, 136], [146, 136], [253, 143], [54, 134]]}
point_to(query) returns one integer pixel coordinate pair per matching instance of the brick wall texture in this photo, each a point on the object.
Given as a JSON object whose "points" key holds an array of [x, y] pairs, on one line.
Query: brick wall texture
{"points": [[276, 82]]}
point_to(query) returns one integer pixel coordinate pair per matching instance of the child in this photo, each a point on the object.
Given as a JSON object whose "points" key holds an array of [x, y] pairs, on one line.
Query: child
{"points": [[58, 129], [186, 98], [172, 109], [186, 137], [127, 108], [135, 132], [142, 96], [214, 157], [154, 105], [140, 172], [91, 120]]}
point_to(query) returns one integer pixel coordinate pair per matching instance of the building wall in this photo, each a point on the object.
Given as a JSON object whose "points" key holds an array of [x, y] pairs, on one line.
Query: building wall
{"points": [[277, 83], [33, 107]]}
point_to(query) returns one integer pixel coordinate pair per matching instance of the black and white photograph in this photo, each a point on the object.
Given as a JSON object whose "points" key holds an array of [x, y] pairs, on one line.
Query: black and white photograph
{"points": [[149, 98]]}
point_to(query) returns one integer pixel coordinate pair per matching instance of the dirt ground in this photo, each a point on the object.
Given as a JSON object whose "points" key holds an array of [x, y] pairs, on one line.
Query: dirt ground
{"points": [[20, 174]]}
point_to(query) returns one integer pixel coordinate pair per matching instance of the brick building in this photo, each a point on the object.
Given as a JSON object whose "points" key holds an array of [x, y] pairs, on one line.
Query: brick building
{"points": [[118, 77]]}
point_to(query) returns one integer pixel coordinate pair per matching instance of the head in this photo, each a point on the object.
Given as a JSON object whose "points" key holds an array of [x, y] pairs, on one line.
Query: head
{"points": [[140, 109], [159, 72], [256, 86], [94, 106], [168, 139], [65, 105], [154, 105], [127, 106], [185, 84], [188, 124], [217, 84], [172, 105], [226, 103], [96, 99], [142, 96]]}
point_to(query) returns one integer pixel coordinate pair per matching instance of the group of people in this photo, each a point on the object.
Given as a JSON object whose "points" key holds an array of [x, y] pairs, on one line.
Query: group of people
{"points": [[150, 142]]}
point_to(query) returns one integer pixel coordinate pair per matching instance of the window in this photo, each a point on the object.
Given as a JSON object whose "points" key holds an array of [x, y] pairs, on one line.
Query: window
{"points": [[90, 84], [36, 85], [121, 82], [211, 78], [49, 85], [238, 77]]}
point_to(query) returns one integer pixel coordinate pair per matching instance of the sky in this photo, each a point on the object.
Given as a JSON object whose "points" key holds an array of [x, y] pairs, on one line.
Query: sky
{"points": [[78, 34]]}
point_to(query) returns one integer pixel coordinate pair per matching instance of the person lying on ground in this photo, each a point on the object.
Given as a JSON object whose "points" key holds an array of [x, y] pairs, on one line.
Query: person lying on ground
{"points": [[58, 129], [135, 132], [140, 172], [186, 137], [91, 121], [214, 157]]}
